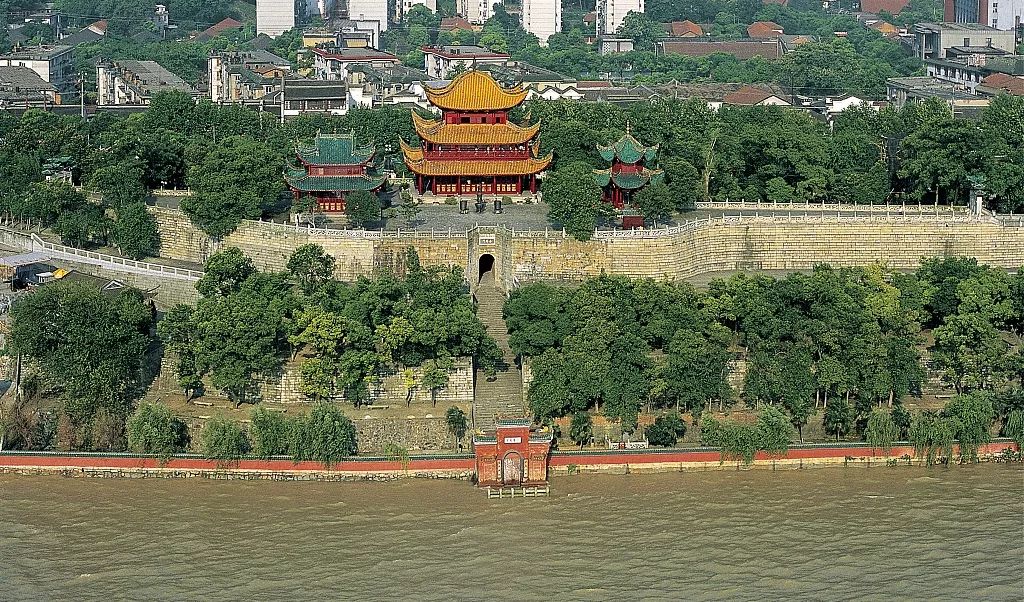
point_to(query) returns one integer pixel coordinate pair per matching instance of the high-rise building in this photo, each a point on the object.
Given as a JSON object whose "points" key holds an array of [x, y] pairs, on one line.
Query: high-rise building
{"points": [[542, 18], [274, 17], [476, 11], [369, 10], [1000, 14], [611, 14]]}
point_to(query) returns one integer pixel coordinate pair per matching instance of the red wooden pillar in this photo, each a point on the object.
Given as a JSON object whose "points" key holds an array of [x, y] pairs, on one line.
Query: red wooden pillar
{"points": [[458, 185], [533, 184], [494, 186]]}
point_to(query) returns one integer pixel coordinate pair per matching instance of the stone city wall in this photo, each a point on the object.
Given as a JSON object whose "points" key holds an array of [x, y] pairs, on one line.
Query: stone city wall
{"points": [[392, 389], [688, 251]]}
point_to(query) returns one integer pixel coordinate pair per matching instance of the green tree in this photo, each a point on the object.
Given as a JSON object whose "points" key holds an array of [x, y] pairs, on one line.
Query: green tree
{"points": [[574, 200], [82, 227], [970, 351], [225, 272], [120, 184], [1013, 427], [666, 430], [435, 376], [362, 208], [457, 423], [933, 436], [655, 202], [684, 183], [881, 432], [87, 345], [311, 266], [325, 435], [223, 440], [135, 232], [737, 442], [774, 431], [152, 429], [268, 433], [973, 415], [581, 428], [640, 28], [838, 419], [235, 180]]}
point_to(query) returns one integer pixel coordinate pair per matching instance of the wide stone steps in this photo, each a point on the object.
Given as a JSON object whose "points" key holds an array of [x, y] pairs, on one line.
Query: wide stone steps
{"points": [[502, 396]]}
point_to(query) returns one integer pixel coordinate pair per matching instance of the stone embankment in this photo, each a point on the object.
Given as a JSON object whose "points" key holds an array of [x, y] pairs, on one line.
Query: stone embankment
{"points": [[461, 466]]}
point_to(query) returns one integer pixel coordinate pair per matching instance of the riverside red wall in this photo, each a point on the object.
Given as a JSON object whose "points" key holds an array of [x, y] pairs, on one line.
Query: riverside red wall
{"points": [[444, 464], [283, 465], [652, 456]]}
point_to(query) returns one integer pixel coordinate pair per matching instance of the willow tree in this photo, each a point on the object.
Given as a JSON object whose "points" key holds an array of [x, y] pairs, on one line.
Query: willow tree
{"points": [[881, 432], [933, 436]]}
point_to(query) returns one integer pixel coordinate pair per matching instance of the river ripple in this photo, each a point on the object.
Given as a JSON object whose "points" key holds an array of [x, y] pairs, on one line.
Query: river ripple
{"points": [[823, 534]]}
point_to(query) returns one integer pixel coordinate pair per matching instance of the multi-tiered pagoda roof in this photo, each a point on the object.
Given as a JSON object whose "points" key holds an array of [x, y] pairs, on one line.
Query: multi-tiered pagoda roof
{"points": [[331, 167], [473, 147], [629, 164]]}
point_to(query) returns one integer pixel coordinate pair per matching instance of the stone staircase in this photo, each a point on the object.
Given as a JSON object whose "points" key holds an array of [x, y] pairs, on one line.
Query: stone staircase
{"points": [[503, 396]]}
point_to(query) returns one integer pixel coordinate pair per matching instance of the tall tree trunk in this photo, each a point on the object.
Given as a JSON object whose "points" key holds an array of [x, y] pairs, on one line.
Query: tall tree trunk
{"points": [[892, 393], [825, 404]]}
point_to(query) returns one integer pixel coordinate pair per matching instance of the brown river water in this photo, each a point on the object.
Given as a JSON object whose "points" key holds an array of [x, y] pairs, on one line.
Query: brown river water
{"points": [[824, 534]]}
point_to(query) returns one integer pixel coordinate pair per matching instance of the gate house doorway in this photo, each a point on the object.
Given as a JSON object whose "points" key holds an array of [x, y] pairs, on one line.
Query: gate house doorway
{"points": [[485, 267], [512, 469]]}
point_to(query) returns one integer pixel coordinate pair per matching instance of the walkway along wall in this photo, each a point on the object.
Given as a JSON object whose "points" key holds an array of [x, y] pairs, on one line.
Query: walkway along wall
{"points": [[459, 466], [751, 241]]}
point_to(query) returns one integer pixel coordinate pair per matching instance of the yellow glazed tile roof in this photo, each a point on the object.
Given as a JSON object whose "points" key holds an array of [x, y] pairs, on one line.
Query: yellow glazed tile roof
{"points": [[472, 168], [438, 132], [475, 91]]}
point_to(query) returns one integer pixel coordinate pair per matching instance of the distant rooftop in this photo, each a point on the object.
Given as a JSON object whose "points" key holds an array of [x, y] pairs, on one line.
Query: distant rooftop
{"points": [[260, 57], [40, 53], [355, 54], [463, 50], [150, 77], [23, 79], [953, 27]]}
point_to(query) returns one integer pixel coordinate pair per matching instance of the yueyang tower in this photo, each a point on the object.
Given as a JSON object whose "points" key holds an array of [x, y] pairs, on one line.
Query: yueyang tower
{"points": [[474, 148], [630, 171]]}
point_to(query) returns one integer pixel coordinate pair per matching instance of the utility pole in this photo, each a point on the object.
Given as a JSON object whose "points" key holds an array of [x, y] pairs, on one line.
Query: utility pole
{"points": [[81, 94]]}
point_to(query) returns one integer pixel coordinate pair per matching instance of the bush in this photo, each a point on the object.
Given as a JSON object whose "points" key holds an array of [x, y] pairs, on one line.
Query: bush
{"points": [[223, 440], [108, 431], [154, 430], [666, 430], [268, 433], [326, 435], [450, 200]]}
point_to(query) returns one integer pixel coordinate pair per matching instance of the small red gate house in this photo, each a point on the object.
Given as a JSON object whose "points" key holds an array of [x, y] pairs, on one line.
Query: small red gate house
{"points": [[514, 455]]}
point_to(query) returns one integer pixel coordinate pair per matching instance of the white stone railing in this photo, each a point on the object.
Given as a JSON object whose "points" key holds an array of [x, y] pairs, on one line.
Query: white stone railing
{"points": [[788, 217], [114, 262], [822, 207], [32, 242]]}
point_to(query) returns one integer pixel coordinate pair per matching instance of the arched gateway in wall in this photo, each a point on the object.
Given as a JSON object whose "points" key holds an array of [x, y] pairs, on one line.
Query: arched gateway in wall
{"points": [[514, 454]]}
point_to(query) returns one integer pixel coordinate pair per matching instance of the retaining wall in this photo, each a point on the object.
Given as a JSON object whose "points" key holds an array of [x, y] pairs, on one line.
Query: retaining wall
{"points": [[798, 456], [752, 241]]}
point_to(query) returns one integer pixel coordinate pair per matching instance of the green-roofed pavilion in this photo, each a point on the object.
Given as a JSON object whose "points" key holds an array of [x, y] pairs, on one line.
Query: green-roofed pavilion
{"points": [[333, 166], [633, 166]]}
